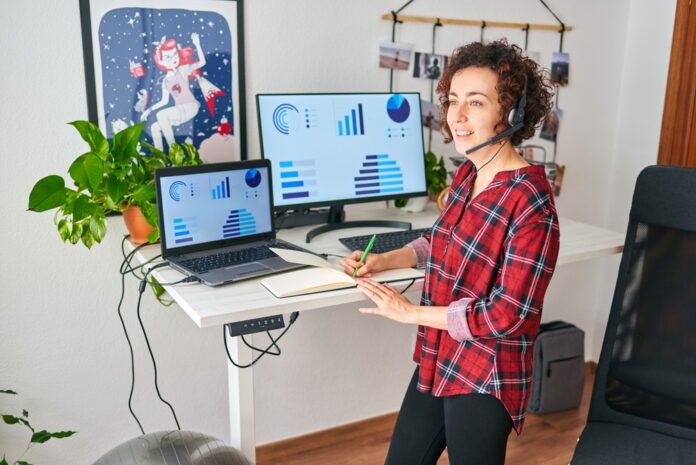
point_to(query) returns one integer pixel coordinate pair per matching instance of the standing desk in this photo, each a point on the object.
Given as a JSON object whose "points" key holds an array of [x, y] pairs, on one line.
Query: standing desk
{"points": [[208, 306]]}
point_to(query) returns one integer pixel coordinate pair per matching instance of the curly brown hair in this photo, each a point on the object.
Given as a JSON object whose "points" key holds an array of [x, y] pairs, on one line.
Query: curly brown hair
{"points": [[511, 65]]}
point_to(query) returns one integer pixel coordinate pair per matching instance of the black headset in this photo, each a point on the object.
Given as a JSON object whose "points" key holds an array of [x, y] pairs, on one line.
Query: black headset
{"points": [[515, 120]]}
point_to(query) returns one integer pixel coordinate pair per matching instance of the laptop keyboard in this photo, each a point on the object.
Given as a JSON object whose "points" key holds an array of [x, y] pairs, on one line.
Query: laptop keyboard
{"points": [[233, 257], [385, 242]]}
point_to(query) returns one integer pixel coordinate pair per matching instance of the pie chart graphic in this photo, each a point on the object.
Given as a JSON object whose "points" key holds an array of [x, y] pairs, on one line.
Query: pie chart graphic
{"points": [[398, 108], [252, 177]]}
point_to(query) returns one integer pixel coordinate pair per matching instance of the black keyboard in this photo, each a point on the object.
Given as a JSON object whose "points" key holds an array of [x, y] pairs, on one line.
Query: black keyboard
{"points": [[233, 257], [385, 241]]}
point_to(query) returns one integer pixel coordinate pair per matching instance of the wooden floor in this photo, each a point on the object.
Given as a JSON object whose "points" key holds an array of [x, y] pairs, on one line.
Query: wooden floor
{"points": [[547, 440]]}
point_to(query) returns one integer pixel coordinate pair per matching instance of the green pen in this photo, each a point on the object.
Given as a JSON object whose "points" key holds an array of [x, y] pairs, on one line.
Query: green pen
{"points": [[367, 251]]}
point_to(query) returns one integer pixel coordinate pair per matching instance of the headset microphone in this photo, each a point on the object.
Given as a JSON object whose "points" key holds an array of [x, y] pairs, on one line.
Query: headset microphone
{"points": [[515, 119]]}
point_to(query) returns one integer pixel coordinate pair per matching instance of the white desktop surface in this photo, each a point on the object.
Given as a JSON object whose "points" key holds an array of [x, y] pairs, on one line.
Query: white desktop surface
{"points": [[208, 306]]}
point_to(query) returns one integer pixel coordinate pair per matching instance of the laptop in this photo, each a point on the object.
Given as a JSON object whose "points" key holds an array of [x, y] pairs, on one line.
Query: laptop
{"points": [[216, 221]]}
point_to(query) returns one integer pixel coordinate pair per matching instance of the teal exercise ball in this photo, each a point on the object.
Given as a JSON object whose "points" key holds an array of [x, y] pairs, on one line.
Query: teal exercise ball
{"points": [[173, 448]]}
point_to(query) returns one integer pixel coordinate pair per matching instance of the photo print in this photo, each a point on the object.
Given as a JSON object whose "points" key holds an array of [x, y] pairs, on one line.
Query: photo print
{"points": [[549, 130], [559, 68], [395, 55], [430, 115], [428, 65]]}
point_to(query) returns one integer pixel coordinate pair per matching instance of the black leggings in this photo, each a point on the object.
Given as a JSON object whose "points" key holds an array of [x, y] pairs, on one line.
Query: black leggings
{"points": [[473, 427]]}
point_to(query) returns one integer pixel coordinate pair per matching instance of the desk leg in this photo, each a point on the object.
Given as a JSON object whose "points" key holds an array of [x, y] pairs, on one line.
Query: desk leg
{"points": [[241, 399]]}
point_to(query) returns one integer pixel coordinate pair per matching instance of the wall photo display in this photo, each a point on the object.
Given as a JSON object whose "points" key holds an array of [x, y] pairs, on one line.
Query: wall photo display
{"points": [[176, 65]]}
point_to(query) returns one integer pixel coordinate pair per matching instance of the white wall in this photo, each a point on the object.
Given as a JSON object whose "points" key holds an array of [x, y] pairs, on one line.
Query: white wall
{"points": [[61, 345]]}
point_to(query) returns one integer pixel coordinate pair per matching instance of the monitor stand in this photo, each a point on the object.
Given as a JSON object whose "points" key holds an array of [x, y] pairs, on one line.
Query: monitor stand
{"points": [[335, 221]]}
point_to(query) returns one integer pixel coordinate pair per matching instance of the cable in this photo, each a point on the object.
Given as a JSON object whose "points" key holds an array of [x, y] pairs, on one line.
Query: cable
{"points": [[141, 291], [407, 287], [130, 348], [293, 318], [265, 351]]}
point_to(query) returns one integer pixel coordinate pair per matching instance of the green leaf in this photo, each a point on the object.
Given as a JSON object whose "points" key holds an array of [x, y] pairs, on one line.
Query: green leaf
{"points": [[64, 228], [87, 238], [87, 171], [116, 189], [7, 391], [3, 461], [47, 194], [97, 226], [82, 208], [153, 236], [143, 194], [176, 155], [76, 233], [20, 462], [11, 419], [42, 436], [93, 136], [126, 142], [25, 414]]}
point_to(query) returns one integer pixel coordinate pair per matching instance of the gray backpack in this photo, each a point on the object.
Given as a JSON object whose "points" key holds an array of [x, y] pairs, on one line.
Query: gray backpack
{"points": [[559, 368]]}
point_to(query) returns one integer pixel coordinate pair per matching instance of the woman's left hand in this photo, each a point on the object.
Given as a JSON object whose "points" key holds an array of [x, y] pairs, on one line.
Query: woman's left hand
{"points": [[390, 303]]}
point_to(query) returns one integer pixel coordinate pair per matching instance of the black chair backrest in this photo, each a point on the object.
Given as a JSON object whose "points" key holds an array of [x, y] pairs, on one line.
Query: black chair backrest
{"points": [[646, 375]]}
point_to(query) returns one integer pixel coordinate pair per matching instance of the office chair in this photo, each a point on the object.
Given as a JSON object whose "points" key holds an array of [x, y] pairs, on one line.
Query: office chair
{"points": [[643, 406], [173, 448]]}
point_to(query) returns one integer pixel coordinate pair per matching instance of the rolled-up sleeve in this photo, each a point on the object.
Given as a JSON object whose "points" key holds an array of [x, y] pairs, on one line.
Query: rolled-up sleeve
{"points": [[421, 247], [457, 326]]}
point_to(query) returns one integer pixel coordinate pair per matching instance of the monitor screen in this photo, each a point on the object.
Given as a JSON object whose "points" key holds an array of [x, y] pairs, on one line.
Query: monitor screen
{"points": [[328, 149], [213, 203]]}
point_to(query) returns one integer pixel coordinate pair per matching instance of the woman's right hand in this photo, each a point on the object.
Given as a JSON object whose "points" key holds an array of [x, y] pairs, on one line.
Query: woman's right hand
{"points": [[374, 263]]}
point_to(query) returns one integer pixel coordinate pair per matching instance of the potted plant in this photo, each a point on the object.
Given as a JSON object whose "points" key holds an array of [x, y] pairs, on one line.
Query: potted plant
{"points": [[110, 177], [435, 180]]}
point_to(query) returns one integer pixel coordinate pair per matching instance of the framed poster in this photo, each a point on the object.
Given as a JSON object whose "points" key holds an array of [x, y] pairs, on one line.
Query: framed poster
{"points": [[177, 65]]}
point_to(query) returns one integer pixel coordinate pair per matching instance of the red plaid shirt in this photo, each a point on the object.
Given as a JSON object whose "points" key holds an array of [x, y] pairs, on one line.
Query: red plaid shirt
{"points": [[490, 260]]}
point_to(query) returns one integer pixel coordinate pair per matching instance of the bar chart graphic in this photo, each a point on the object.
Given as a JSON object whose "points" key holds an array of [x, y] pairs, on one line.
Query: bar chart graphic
{"points": [[351, 123], [239, 222], [379, 175], [183, 228], [298, 179], [222, 190]]}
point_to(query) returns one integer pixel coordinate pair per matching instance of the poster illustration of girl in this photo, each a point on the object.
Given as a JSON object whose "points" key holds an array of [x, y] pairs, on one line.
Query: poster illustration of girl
{"points": [[161, 66]]}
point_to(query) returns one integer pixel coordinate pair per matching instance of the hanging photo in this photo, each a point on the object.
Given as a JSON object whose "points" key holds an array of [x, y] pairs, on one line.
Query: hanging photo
{"points": [[175, 65], [428, 65], [559, 68], [395, 55], [549, 130], [430, 115]]}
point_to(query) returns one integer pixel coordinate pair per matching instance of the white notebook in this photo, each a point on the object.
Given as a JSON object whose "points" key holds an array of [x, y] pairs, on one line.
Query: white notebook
{"points": [[322, 276]]}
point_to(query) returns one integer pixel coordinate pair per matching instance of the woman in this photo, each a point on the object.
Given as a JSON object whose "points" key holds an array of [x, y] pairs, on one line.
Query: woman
{"points": [[488, 260]]}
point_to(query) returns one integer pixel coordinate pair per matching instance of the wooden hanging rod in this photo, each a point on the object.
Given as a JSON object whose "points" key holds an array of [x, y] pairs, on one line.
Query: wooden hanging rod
{"points": [[471, 22]]}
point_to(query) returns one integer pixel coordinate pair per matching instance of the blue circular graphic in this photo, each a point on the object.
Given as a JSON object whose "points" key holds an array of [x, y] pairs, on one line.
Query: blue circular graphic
{"points": [[176, 189], [280, 117], [253, 177], [398, 108]]}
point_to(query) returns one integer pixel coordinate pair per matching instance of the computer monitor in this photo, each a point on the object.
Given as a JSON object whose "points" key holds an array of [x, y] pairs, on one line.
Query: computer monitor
{"points": [[343, 148]]}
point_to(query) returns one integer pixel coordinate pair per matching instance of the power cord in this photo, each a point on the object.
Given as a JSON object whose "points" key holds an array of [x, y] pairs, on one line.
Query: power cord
{"points": [[274, 341], [273, 344]]}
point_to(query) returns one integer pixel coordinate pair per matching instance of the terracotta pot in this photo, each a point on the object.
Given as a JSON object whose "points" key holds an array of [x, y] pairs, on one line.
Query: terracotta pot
{"points": [[137, 225]]}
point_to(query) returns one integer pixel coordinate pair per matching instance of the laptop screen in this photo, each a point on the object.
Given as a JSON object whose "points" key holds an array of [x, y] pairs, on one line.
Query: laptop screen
{"points": [[213, 203]]}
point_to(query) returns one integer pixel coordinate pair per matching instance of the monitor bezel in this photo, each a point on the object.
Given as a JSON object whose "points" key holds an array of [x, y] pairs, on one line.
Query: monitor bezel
{"points": [[207, 168], [354, 200]]}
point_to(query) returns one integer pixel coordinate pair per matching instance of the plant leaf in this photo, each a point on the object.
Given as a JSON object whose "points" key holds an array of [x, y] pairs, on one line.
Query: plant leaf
{"points": [[64, 228], [47, 194], [87, 238], [126, 142], [42, 436], [3, 461], [25, 414], [87, 171], [97, 226], [10, 419], [116, 188], [7, 391], [20, 462], [82, 208], [143, 194], [93, 136]]}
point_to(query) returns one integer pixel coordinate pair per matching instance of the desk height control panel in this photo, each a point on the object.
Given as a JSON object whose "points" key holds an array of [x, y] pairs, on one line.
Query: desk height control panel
{"points": [[256, 325]]}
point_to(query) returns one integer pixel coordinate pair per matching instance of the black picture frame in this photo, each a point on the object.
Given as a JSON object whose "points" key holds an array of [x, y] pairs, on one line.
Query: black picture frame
{"points": [[131, 69]]}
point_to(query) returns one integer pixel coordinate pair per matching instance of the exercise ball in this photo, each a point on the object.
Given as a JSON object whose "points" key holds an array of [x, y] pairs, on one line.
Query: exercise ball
{"points": [[173, 448]]}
